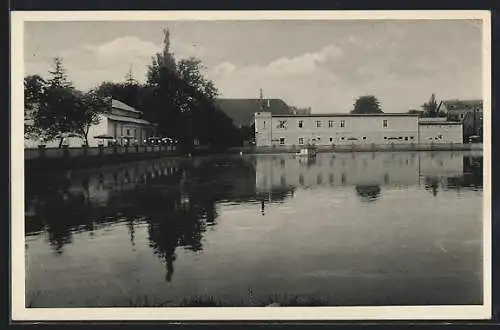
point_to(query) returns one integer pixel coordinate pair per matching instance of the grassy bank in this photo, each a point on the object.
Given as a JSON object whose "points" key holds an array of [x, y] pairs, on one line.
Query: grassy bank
{"points": [[276, 300]]}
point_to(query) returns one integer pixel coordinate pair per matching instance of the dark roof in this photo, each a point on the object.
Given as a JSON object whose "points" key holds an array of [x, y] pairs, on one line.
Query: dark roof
{"points": [[242, 111], [462, 104], [122, 106], [350, 115]]}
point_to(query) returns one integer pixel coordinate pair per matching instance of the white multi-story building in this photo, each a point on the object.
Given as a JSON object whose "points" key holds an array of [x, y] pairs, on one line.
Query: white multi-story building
{"points": [[338, 129]]}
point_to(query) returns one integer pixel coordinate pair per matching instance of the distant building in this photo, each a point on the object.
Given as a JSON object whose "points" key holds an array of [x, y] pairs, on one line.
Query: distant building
{"points": [[120, 123], [300, 111], [242, 111], [338, 129], [458, 109]]}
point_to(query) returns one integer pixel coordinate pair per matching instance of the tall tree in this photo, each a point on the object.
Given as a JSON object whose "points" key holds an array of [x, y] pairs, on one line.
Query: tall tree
{"points": [[59, 77], [366, 104], [164, 59], [432, 108]]}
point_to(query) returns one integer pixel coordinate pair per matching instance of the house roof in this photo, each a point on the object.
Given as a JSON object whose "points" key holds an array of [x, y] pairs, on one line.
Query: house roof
{"points": [[122, 106], [242, 111], [128, 119], [462, 104]]}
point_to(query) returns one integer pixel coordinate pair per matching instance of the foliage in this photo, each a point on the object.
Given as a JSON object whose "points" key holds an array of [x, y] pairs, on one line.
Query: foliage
{"points": [[366, 104], [62, 110], [432, 108], [176, 95]]}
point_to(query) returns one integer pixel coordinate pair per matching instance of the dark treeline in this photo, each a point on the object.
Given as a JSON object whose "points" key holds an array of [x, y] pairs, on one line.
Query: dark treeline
{"points": [[176, 95]]}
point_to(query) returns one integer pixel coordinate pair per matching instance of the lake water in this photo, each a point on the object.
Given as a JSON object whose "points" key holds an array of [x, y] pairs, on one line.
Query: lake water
{"points": [[347, 229]]}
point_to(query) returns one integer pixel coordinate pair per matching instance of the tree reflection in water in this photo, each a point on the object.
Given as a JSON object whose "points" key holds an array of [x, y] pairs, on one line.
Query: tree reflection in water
{"points": [[175, 199]]}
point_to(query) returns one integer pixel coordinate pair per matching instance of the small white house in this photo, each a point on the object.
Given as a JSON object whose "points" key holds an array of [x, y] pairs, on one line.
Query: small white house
{"points": [[120, 124]]}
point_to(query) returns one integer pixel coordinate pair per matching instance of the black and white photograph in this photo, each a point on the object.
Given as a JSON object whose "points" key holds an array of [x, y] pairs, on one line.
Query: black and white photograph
{"points": [[251, 165]]}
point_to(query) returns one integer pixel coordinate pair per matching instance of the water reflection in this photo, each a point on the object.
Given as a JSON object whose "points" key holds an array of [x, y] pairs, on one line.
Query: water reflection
{"points": [[369, 173], [177, 199]]}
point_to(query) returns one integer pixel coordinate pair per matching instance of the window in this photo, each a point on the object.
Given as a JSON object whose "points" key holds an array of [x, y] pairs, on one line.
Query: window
{"points": [[331, 139], [330, 123], [282, 141], [406, 138], [400, 138], [264, 125], [342, 123], [342, 138], [282, 124], [461, 116], [318, 123], [319, 138], [301, 140], [301, 123], [364, 137], [128, 132], [411, 137], [385, 137], [385, 123]]}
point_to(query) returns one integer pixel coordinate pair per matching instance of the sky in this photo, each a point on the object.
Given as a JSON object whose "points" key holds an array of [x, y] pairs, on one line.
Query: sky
{"points": [[324, 64]]}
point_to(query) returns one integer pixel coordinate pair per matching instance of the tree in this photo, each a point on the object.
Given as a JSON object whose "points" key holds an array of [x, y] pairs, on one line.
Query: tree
{"points": [[366, 104], [34, 88], [431, 108], [165, 60], [90, 107], [63, 110], [59, 78]]}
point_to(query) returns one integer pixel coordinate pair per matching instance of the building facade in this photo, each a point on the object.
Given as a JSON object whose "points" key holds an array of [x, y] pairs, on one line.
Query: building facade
{"points": [[439, 130], [342, 129], [334, 129]]}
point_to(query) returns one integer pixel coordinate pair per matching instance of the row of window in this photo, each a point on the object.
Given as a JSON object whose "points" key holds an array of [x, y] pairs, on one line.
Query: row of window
{"points": [[283, 124]]}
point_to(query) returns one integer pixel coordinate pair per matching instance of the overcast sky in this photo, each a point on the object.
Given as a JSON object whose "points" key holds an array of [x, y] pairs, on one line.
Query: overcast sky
{"points": [[322, 64]]}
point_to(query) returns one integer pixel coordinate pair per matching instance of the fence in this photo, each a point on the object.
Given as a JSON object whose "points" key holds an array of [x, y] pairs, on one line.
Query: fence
{"points": [[42, 158]]}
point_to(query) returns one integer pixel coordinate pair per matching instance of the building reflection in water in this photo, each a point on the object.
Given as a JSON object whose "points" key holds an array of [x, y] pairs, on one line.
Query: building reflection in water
{"points": [[177, 199], [368, 173]]}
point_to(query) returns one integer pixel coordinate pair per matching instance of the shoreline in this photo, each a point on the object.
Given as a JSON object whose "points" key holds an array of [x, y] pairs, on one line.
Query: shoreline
{"points": [[36, 160]]}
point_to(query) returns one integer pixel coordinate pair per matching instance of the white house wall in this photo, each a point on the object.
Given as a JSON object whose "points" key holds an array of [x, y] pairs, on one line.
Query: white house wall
{"points": [[356, 129], [442, 133]]}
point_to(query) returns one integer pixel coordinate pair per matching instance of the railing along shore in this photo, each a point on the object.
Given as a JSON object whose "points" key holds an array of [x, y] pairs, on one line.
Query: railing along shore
{"points": [[46, 159]]}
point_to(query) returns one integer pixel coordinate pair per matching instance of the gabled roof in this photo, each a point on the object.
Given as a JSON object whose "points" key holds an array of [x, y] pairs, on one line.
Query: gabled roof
{"points": [[242, 111], [122, 106], [462, 104]]}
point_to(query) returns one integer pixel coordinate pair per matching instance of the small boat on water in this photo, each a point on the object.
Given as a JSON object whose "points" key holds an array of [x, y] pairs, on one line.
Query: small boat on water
{"points": [[309, 151]]}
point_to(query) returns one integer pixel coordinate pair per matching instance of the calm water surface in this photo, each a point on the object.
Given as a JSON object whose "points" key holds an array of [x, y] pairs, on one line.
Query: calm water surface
{"points": [[349, 229]]}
